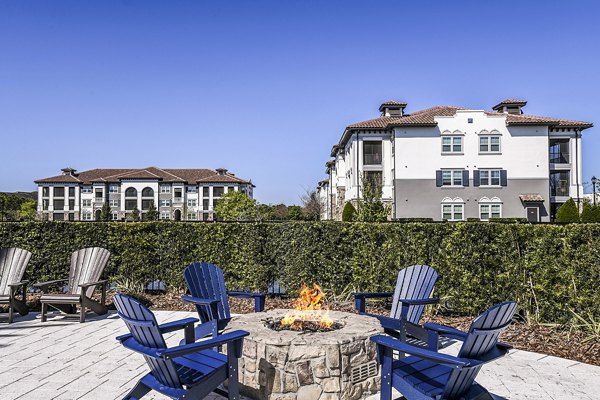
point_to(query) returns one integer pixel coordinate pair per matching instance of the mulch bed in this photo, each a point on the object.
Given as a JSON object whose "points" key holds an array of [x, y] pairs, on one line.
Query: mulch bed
{"points": [[551, 340]]}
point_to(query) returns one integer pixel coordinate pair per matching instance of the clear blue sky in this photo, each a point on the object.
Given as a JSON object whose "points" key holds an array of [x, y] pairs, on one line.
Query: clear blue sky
{"points": [[266, 88]]}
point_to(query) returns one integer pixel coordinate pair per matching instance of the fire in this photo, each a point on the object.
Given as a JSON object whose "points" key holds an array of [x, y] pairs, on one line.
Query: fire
{"points": [[309, 307]]}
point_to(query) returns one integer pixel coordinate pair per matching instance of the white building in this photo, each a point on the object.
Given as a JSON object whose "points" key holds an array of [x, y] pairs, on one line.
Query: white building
{"points": [[455, 163], [177, 194]]}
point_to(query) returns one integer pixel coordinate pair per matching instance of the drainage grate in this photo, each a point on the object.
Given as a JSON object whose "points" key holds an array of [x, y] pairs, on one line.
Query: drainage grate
{"points": [[362, 372]]}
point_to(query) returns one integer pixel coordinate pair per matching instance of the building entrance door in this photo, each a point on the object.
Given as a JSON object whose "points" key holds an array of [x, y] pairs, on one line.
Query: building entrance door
{"points": [[533, 214]]}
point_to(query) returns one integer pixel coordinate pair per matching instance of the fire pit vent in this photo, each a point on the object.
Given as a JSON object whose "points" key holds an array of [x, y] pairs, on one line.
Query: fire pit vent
{"points": [[362, 372]]}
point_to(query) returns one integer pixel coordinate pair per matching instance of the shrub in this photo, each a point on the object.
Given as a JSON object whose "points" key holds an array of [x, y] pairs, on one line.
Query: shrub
{"points": [[590, 213], [414, 219], [348, 212], [568, 212]]}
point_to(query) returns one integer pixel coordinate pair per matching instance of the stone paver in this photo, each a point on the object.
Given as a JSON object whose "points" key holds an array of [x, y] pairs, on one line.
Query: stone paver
{"points": [[63, 359]]}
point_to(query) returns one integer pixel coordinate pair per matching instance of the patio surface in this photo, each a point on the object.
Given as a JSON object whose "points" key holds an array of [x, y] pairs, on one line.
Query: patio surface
{"points": [[63, 359]]}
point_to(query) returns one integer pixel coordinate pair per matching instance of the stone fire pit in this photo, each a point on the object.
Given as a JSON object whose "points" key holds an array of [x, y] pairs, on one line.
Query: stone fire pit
{"points": [[288, 365]]}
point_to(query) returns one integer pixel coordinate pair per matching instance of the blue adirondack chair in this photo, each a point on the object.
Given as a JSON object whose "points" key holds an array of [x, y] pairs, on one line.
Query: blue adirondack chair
{"points": [[206, 285], [427, 374], [413, 290], [188, 371]]}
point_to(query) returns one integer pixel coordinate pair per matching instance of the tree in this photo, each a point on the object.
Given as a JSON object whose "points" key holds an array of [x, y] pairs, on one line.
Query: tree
{"points": [[370, 207], [28, 210], [295, 213], [152, 214], [135, 215], [312, 205], [590, 212], [105, 212], [568, 212], [236, 206], [348, 213]]}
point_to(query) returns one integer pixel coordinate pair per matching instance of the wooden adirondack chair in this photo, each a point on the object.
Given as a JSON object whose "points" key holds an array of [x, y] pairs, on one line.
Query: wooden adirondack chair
{"points": [[86, 268], [427, 374], [13, 262], [206, 285], [188, 371], [413, 290]]}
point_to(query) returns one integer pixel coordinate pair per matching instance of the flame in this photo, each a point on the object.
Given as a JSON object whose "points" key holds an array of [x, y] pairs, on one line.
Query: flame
{"points": [[309, 307]]}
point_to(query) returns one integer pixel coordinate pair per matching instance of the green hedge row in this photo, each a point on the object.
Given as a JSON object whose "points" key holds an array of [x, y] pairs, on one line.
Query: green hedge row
{"points": [[548, 269]]}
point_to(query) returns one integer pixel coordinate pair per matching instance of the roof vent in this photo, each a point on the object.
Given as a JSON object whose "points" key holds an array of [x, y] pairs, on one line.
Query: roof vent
{"points": [[392, 108], [510, 106], [221, 171], [68, 171]]}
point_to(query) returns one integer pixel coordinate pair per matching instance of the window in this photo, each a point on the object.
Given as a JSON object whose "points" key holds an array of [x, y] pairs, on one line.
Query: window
{"points": [[59, 205], [98, 194], [71, 192], [452, 144], [45, 191], [113, 189], [165, 215], [86, 202], [178, 193], [205, 204], [165, 203], [218, 191], [205, 191], [113, 203], [71, 216], [165, 189], [86, 216], [489, 144], [86, 189], [131, 192], [205, 216], [453, 212], [559, 183], [59, 192], [147, 203], [148, 192], [45, 204], [452, 177], [372, 152], [487, 211], [130, 204], [559, 151], [191, 216], [192, 189], [58, 217], [489, 177], [192, 202], [114, 216], [375, 178], [71, 204]]}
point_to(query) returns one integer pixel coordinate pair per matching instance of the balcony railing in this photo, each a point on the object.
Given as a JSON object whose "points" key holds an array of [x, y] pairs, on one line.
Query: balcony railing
{"points": [[559, 158]]}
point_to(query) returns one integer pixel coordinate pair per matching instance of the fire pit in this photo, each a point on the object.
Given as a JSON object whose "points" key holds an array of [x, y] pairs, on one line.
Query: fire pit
{"points": [[316, 354]]}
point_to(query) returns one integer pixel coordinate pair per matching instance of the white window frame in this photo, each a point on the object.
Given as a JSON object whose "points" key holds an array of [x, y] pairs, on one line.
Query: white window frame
{"points": [[489, 180], [165, 203], [114, 216], [113, 189], [453, 176], [165, 189], [454, 207], [488, 138], [192, 203], [86, 216], [455, 139], [86, 202], [192, 189], [87, 189], [192, 216], [165, 215], [490, 210], [113, 202]]}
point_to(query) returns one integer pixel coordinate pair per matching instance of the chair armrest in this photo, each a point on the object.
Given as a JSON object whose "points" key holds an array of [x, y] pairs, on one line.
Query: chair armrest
{"points": [[206, 344], [199, 301], [394, 344], [388, 322], [259, 299], [129, 342], [177, 325], [16, 285], [420, 302], [446, 331], [88, 284], [372, 295]]}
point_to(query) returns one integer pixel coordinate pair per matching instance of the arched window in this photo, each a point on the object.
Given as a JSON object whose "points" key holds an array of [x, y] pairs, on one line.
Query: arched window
{"points": [[147, 198], [147, 192], [490, 208], [453, 209], [131, 192]]}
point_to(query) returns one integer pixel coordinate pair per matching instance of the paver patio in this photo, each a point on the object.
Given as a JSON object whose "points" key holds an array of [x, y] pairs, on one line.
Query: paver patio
{"points": [[63, 359]]}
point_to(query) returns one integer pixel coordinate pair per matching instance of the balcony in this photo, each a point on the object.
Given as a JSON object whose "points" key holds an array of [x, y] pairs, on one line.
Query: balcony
{"points": [[559, 151]]}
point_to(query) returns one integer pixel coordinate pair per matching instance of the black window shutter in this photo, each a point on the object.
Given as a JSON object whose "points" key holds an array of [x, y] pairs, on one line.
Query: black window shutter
{"points": [[503, 178], [476, 178], [466, 177], [438, 178]]}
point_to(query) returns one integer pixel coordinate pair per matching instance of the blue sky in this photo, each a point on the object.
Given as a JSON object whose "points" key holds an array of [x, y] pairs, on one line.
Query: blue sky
{"points": [[266, 88]]}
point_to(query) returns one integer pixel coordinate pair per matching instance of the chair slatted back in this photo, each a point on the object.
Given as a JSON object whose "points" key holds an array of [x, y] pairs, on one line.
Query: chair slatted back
{"points": [[206, 281], [87, 266], [482, 337], [143, 326], [414, 283], [13, 262]]}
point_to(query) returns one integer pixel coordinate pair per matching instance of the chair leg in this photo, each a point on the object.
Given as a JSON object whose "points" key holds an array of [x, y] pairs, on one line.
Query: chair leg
{"points": [[386, 373], [233, 386], [137, 392], [44, 311], [82, 314], [10, 313]]}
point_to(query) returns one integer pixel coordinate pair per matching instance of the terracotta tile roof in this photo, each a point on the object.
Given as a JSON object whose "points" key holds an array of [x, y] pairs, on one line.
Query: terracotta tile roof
{"points": [[420, 118], [510, 102], [531, 197], [522, 119], [190, 176]]}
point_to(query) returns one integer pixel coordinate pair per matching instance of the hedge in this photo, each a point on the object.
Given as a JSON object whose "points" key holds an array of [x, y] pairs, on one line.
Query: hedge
{"points": [[548, 269]]}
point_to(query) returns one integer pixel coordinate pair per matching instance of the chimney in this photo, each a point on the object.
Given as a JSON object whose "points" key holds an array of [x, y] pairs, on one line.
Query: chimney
{"points": [[510, 106], [221, 171], [392, 108], [68, 171]]}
